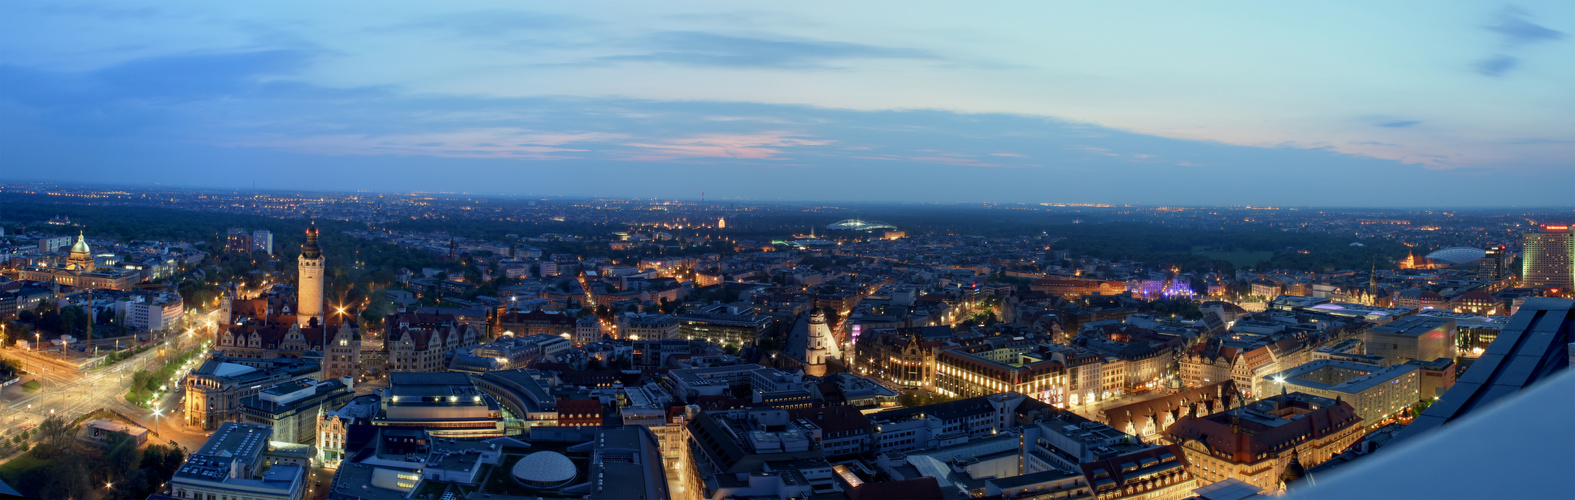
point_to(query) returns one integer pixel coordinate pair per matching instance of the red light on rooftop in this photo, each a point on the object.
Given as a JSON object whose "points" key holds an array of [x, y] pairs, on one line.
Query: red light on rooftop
{"points": [[1564, 227]]}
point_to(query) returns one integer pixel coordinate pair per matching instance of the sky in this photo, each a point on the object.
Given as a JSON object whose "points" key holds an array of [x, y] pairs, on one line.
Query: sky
{"points": [[1314, 103]]}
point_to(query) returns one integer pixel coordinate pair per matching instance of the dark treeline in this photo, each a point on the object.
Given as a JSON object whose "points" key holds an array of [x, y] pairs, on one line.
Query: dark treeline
{"points": [[1154, 244], [1098, 234]]}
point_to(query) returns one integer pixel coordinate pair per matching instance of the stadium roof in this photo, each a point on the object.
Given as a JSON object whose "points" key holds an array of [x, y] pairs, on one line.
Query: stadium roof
{"points": [[860, 225], [1457, 255]]}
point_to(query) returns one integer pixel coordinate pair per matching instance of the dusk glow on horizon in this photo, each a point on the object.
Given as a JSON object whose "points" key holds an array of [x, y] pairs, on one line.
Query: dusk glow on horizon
{"points": [[1210, 103]]}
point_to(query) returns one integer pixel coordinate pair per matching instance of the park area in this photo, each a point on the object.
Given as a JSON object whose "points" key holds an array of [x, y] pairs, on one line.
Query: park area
{"points": [[55, 463]]}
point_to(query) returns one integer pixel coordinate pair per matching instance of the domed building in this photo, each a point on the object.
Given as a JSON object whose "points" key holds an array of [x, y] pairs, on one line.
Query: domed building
{"points": [[1454, 256], [81, 271], [81, 257], [544, 469]]}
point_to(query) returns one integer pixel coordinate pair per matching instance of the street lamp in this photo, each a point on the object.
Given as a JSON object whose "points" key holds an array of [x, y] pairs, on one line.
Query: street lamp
{"points": [[157, 412]]}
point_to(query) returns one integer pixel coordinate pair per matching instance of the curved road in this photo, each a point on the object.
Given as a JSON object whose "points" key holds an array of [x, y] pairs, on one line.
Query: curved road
{"points": [[71, 393]]}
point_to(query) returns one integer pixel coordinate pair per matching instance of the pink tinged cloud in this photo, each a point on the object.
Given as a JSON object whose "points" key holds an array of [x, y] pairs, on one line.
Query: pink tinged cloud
{"points": [[961, 162], [475, 143], [761, 146]]}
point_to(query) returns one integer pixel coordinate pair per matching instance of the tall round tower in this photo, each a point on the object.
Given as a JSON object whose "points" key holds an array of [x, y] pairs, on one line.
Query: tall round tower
{"points": [[820, 346], [309, 289]]}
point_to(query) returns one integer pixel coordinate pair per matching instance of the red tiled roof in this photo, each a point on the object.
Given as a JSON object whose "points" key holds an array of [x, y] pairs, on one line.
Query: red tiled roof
{"points": [[1256, 439], [1209, 398]]}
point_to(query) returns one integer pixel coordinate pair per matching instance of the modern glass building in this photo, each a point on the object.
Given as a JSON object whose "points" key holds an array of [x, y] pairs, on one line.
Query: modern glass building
{"points": [[1548, 258]]}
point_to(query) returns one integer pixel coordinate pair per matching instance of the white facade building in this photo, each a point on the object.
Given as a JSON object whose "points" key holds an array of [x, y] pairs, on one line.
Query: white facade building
{"points": [[151, 312]]}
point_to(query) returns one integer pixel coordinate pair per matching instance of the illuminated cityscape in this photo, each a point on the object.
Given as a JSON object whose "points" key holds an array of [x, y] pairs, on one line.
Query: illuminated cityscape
{"points": [[699, 251]]}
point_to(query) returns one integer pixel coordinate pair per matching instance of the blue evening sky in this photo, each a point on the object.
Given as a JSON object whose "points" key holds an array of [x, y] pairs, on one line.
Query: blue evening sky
{"points": [[1358, 103]]}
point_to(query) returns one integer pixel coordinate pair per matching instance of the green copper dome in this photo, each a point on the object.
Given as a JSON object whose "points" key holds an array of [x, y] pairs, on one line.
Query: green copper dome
{"points": [[81, 246]]}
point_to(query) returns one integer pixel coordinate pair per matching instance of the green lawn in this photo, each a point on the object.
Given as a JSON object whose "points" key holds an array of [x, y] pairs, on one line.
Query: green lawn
{"points": [[22, 465], [32, 386]]}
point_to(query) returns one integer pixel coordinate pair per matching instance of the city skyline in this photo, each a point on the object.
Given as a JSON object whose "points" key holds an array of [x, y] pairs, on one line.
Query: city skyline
{"points": [[95, 189], [298, 347], [1389, 105]]}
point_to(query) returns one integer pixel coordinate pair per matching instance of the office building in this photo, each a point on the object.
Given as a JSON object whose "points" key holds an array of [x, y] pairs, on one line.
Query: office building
{"points": [[922, 427], [1016, 366], [262, 241], [214, 391], [233, 464], [49, 244], [1436, 377], [1375, 392], [647, 326], [1535, 345], [1255, 443], [903, 356], [1495, 264], [1073, 288], [1421, 338], [447, 404], [238, 241], [516, 323], [417, 346], [729, 448], [1548, 258], [291, 408], [152, 312], [588, 329], [718, 326]]}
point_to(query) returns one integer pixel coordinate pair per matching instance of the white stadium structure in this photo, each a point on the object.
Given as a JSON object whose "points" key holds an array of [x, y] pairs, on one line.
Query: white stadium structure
{"points": [[860, 225], [1454, 256]]}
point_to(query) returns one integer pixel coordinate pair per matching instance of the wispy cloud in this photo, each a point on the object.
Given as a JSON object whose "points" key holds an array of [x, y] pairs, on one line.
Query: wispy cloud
{"points": [[959, 162], [1497, 65], [1540, 140], [1514, 27], [759, 146], [1399, 123], [711, 49], [489, 24], [474, 143], [1098, 151]]}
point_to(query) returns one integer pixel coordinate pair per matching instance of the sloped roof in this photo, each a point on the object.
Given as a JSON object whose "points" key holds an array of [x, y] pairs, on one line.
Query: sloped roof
{"points": [[1259, 435]]}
